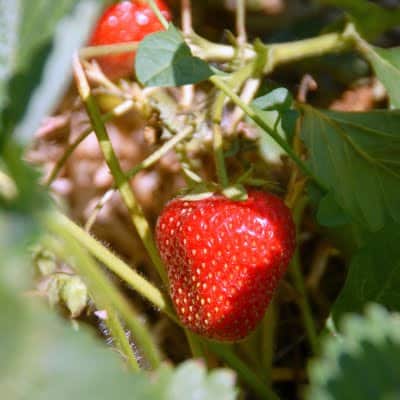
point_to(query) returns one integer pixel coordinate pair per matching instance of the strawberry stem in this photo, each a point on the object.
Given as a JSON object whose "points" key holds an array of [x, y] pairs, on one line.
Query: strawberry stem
{"points": [[107, 49], [278, 53], [118, 334], [119, 110], [102, 288], [121, 181], [219, 156], [218, 149], [241, 22], [115, 264]]}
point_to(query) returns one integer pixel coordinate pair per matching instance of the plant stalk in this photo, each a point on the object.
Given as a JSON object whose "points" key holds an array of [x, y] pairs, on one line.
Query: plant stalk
{"points": [[121, 181], [118, 334], [104, 290], [114, 264], [121, 109]]}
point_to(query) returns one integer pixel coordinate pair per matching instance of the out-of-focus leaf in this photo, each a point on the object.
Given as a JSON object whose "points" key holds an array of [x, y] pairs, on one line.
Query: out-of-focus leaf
{"points": [[370, 18], [373, 274], [44, 359], [363, 363], [164, 59], [35, 68], [355, 155], [191, 381]]}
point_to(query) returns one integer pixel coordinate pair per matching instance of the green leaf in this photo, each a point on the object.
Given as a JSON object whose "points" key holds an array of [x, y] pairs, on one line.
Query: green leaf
{"points": [[330, 213], [355, 155], [278, 99], [386, 64], [288, 123], [371, 19], [191, 380], [44, 359], [164, 59], [361, 364], [37, 69], [374, 274]]}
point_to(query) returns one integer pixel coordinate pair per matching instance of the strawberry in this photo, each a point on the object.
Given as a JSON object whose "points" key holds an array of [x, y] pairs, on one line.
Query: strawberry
{"points": [[224, 260], [127, 21]]}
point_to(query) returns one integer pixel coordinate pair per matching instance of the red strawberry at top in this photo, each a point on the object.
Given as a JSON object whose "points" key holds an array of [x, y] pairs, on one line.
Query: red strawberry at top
{"points": [[127, 21], [224, 260]]}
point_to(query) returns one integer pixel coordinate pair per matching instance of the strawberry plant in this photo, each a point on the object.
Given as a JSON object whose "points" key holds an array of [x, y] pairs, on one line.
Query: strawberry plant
{"points": [[210, 189]]}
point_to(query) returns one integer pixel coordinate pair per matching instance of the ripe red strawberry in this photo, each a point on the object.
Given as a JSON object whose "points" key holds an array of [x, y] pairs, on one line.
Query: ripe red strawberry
{"points": [[224, 260], [127, 21]]}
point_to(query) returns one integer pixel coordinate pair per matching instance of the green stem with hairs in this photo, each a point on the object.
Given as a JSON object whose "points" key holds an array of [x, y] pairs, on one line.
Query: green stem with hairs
{"points": [[118, 334], [278, 54], [146, 163], [103, 290], [120, 180], [115, 264], [121, 109], [218, 148]]}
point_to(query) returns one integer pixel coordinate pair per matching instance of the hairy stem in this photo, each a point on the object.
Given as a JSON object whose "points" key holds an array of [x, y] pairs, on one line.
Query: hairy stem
{"points": [[118, 334], [115, 264], [104, 290], [121, 181], [121, 109], [278, 54]]}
